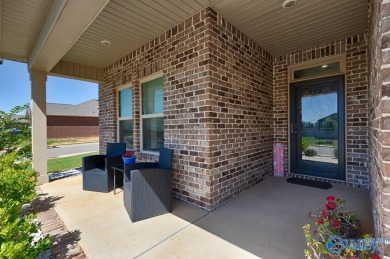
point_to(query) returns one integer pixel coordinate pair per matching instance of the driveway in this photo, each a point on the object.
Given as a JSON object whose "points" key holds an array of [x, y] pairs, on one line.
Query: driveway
{"points": [[72, 150]]}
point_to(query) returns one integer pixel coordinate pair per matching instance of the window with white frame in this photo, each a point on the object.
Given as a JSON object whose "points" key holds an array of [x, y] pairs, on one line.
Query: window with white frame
{"points": [[152, 116], [125, 116]]}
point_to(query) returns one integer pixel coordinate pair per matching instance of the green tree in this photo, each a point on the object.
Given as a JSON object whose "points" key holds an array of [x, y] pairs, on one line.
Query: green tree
{"points": [[15, 133]]}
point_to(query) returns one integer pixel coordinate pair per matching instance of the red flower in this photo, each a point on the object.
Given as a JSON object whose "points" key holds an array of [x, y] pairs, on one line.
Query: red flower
{"points": [[315, 232], [335, 223], [330, 198], [329, 205], [375, 256], [320, 221], [129, 153], [324, 214]]}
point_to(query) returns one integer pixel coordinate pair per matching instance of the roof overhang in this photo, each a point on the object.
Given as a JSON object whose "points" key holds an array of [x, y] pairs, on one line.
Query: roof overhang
{"points": [[65, 37]]}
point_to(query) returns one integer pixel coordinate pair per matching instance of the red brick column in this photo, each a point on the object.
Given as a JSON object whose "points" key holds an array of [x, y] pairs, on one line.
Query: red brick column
{"points": [[379, 121]]}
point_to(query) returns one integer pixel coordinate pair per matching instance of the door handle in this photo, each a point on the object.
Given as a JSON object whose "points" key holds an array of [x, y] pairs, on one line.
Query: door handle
{"points": [[293, 128]]}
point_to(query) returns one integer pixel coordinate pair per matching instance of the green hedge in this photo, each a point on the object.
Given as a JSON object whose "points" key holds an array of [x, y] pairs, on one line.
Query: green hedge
{"points": [[18, 231]]}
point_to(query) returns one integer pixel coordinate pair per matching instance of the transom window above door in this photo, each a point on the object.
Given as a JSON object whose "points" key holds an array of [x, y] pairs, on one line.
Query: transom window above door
{"points": [[334, 65]]}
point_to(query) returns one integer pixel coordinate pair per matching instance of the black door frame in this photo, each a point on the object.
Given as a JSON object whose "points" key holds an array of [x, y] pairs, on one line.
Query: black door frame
{"points": [[339, 80]]}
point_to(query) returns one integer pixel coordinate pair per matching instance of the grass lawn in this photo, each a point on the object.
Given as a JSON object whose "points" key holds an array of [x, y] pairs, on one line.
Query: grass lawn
{"points": [[71, 141], [65, 163], [318, 141]]}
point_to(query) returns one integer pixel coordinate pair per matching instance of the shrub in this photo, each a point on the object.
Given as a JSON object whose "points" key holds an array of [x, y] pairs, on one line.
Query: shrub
{"points": [[336, 152], [310, 152], [305, 143], [18, 233]]}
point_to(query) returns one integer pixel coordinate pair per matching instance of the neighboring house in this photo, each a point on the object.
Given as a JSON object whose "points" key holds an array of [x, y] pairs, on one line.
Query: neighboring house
{"points": [[324, 128], [73, 120], [220, 82]]}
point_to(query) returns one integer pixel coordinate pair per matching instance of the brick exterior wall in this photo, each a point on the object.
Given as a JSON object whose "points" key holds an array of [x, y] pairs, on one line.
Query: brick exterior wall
{"points": [[379, 103], [226, 103], [241, 110], [356, 91], [70, 126], [217, 106]]}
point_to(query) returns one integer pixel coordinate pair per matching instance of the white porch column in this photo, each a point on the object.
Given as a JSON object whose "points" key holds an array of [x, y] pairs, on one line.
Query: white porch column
{"points": [[39, 125]]}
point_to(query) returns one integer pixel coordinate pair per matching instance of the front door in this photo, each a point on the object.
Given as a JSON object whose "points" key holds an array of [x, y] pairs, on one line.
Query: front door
{"points": [[317, 127]]}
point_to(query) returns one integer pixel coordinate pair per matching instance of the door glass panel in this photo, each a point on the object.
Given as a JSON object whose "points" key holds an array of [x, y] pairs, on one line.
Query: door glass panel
{"points": [[318, 125]]}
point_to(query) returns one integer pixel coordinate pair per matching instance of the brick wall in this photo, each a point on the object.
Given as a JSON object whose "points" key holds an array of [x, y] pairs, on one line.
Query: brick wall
{"points": [[72, 132], [379, 103], [70, 127], [182, 56], [355, 48], [217, 106], [72, 121], [241, 110]]}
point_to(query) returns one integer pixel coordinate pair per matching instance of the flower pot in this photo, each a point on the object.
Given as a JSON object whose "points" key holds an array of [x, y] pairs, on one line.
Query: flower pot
{"points": [[129, 160]]}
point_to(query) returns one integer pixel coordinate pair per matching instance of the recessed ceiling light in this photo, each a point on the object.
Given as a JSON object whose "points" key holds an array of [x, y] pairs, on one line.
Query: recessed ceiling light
{"points": [[105, 42], [289, 3], [324, 66]]}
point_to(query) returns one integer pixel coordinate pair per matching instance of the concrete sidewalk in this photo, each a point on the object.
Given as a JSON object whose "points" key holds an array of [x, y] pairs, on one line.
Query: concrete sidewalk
{"points": [[266, 221]]}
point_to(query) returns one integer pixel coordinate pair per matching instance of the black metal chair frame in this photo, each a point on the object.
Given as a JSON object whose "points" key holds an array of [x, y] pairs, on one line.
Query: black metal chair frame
{"points": [[98, 174]]}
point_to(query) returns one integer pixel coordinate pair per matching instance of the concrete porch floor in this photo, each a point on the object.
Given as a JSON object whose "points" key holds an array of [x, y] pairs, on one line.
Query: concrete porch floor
{"points": [[265, 221]]}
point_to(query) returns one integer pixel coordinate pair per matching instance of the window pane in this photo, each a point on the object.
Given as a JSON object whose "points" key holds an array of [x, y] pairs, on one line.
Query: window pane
{"points": [[126, 102], [152, 96], [153, 133], [326, 68], [126, 133]]}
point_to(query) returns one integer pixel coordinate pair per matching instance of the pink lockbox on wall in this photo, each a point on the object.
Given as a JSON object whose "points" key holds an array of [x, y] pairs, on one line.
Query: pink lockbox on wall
{"points": [[278, 160]]}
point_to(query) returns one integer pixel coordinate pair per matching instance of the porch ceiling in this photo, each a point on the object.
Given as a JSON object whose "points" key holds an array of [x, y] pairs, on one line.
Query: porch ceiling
{"points": [[20, 23], [128, 24], [310, 22]]}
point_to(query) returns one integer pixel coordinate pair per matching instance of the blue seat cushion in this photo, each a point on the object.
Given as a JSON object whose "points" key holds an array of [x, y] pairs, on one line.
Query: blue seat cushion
{"points": [[165, 159]]}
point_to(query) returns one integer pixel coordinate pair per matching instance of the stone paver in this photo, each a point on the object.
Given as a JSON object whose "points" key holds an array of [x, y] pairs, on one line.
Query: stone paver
{"points": [[64, 242]]}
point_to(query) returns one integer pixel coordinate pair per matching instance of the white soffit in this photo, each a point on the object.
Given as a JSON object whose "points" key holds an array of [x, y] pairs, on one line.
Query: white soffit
{"points": [[127, 25], [20, 22], [281, 30], [65, 23]]}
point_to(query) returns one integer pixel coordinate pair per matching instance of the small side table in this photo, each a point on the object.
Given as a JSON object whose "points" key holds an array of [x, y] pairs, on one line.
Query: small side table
{"points": [[117, 168]]}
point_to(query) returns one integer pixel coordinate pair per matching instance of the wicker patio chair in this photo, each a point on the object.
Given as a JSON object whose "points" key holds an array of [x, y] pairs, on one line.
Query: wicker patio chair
{"points": [[98, 175], [147, 187]]}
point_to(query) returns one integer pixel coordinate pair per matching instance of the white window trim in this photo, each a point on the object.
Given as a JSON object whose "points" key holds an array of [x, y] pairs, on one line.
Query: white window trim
{"points": [[155, 115], [122, 87]]}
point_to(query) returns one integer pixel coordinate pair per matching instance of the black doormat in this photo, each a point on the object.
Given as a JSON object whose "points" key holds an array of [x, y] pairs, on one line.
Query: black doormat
{"points": [[310, 183]]}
